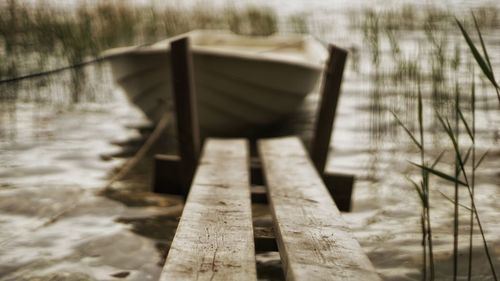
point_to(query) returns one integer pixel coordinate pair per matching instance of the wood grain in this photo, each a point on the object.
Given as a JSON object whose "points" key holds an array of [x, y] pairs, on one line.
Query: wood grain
{"points": [[214, 239], [313, 239]]}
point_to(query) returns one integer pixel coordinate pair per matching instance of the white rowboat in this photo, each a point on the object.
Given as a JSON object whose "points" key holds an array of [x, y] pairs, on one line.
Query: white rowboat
{"points": [[242, 83]]}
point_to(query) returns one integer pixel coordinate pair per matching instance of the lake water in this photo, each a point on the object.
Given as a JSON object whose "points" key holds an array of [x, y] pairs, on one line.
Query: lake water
{"points": [[57, 223]]}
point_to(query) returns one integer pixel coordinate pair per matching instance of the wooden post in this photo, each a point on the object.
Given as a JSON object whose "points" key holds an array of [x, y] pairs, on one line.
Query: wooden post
{"points": [[327, 107], [185, 110], [166, 173], [340, 187]]}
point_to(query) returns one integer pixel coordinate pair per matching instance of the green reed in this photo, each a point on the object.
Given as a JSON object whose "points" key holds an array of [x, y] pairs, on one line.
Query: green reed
{"points": [[90, 29], [484, 62], [414, 17], [423, 190], [39, 37], [463, 176], [473, 178], [445, 61], [463, 180], [253, 21]]}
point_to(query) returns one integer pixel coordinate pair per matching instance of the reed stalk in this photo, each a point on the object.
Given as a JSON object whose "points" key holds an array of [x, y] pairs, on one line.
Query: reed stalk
{"points": [[423, 190], [483, 60], [473, 178], [484, 63], [461, 161], [424, 246], [456, 203]]}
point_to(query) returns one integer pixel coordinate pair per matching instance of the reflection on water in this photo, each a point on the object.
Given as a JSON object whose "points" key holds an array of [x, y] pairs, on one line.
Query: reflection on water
{"points": [[57, 223]]}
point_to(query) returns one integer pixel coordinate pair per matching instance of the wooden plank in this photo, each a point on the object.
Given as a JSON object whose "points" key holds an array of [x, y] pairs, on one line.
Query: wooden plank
{"points": [[340, 186], [186, 113], [327, 109], [214, 239], [166, 180], [312, 237]]}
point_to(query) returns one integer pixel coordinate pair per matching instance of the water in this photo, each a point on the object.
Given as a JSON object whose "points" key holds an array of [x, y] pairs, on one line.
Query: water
{"points": [[56, 222]]}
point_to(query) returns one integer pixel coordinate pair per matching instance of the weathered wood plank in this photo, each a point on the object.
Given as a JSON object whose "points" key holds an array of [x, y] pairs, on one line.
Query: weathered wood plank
{"points": [[313, 239], [214, 239], [339, 185], [166, 180]]}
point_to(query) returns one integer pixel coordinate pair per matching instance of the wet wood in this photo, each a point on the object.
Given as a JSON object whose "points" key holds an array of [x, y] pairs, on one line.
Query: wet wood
{"points": [[186, 113], [265, 240], [166, 173], [214, 239], [340, 187], [325, 118], [313, 239]]}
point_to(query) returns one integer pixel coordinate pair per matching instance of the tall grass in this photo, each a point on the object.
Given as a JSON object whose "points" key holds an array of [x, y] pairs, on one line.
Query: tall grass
{"points": [[42, 36], [462, 177], [445, 107], [464, 180], [484, 62], [423, 190], [415, 17], [473, 179], [89, 29]]}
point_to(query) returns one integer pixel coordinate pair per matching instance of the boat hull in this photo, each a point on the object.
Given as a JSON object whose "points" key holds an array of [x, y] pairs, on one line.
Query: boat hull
{"points": [[236, 95]]}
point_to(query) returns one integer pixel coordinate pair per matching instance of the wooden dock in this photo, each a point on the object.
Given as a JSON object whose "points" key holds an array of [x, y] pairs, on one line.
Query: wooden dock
{"points": [[216, 238], [173, 173]]}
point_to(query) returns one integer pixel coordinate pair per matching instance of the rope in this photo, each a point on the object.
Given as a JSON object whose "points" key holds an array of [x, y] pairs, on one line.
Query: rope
{"points": [[53, 71], [100, 59], [97, 59]]}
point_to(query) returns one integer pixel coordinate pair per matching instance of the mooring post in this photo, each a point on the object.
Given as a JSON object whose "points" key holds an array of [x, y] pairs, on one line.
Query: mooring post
{"points": [[186, 112], [340, 186], [327, 107]]}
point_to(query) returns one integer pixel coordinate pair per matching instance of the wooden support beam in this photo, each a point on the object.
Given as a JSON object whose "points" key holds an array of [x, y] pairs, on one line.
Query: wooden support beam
{"points": [[265, 240], [166, 175], [186, 113], [256, 177], [214, 239], [340, 187], [325, 117], [167, 169], [259, 194], [313, 239]]}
